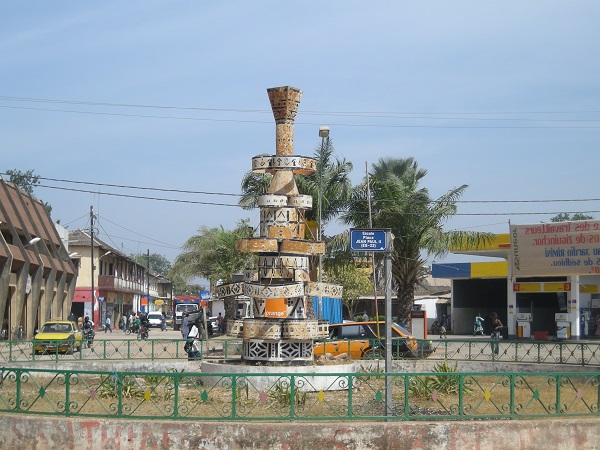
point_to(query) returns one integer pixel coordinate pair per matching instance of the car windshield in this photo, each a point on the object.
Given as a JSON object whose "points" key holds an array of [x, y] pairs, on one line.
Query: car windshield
{"points": [[397, 330], [155, 316], [56, 328], [402, 329], [189, 306]]}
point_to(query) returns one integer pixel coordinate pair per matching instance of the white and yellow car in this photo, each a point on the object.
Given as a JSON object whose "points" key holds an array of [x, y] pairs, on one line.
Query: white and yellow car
{"points": [[58, 335]]}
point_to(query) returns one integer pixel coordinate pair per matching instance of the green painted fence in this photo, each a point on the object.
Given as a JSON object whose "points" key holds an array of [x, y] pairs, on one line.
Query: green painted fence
{"points": [[576, 353], [441, 395]]}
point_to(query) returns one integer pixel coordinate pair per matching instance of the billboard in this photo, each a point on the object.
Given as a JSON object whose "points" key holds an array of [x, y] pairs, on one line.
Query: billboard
{"points": [[559, 248]]}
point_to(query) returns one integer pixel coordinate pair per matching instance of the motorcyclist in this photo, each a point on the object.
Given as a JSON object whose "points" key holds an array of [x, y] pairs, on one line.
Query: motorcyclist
{"points": [[143, 331], [88, 330]]}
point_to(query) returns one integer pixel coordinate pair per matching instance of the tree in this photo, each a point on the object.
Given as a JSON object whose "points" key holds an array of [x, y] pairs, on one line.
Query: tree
{"points": [[564, 217], [181, 286], [415, 221], [212, 255], [356, 282], [26, 181], [336, 185], [158, 263]]}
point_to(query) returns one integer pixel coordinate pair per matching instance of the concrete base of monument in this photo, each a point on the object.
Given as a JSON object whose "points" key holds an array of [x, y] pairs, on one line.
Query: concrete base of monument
{"points": [[312, 378]]}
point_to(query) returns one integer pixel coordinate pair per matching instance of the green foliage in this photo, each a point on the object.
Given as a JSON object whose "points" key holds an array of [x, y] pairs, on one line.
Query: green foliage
{"points": [[415, 219], [241, 390], [283, 396], [26, 181], [212, 254], [331, 179], [356, 282], [424, 386], [161, 386], [110, 384], [565, 217], [158, 263]]}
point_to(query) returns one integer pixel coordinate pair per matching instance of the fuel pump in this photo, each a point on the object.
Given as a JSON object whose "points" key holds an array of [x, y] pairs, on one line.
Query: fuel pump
{"points": [[563, 326], [524, 325]]}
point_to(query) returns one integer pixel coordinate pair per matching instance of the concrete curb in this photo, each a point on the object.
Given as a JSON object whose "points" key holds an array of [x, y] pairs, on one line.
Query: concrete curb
{"points": [[37, 433]]}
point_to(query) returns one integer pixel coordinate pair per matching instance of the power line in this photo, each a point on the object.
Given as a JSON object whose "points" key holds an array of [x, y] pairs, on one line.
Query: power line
{"points": [[125, 186], [237, 206], [135, 232], [138, 196], [241, 110], [179, 191], [364, 125]]}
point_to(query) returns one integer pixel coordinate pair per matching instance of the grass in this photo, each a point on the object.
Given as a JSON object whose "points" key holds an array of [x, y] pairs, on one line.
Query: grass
{"points": [[153, 396]]}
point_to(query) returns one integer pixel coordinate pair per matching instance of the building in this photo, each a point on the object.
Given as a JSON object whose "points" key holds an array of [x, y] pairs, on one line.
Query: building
{"points": [[120, 285], [542, 298], [431, 295], [37, 275]]}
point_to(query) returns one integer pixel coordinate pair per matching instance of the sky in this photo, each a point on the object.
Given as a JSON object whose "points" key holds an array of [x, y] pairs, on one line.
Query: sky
{"points": [[502, 96]]}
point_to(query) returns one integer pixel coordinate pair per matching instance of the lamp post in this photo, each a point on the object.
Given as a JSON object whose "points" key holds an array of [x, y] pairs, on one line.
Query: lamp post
{"points": [[323, 133]]}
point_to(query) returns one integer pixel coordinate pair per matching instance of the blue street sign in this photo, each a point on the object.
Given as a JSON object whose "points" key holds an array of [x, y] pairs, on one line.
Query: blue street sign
{"points": [[204, 295], [368, 240]]}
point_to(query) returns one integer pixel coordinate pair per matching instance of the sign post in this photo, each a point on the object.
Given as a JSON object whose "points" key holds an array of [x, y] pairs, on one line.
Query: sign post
{"points": [[368, 240], [380, 240]]}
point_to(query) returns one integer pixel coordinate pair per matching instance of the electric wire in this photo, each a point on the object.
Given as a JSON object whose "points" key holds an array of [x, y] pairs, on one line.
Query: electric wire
{"points": [[424, 116], [184, 191], [196, 202], [241, 110]]}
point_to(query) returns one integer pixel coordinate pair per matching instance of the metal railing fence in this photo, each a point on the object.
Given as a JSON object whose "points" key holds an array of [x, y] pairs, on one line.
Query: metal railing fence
{"points": [[576, 353], [440, 395], [579, 353], [114, 350]]}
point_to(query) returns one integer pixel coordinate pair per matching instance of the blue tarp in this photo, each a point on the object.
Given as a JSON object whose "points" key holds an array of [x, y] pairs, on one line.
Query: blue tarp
{"points": [[332, 309]]}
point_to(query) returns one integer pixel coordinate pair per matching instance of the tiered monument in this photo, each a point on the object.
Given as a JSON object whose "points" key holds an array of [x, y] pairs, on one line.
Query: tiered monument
{"points": [[280, 330]]}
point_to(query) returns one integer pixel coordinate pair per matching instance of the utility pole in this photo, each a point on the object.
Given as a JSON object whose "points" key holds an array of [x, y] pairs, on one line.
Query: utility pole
{"points": [[148, 280], [372, 253], [93, 318]]}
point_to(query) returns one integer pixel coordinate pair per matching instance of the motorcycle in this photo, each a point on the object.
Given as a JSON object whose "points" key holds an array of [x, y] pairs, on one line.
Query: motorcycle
{"points": [[131, 329], [143, 333], [478, 325]]}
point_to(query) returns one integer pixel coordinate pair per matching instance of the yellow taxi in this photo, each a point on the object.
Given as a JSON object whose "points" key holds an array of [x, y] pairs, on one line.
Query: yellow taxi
{"points": [[58, 335], [367, 340]]}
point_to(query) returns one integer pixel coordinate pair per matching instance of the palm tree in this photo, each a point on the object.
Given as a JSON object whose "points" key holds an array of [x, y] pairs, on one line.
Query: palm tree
{"points": [[336, 185], [212, 255], [415, 221]]}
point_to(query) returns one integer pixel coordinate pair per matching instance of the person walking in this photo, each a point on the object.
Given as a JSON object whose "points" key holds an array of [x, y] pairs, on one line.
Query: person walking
{"points": [[184, 325], [220, 323], [107, 325], [496, 329]]}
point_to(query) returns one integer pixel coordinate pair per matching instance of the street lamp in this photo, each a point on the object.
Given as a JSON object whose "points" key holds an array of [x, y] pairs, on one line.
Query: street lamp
{"points": [[33, 241], [323, 133]]}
